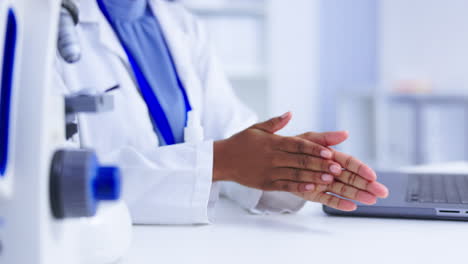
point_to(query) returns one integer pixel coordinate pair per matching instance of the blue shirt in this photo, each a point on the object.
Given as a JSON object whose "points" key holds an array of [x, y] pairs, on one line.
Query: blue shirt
{"points": [[139, 29]]}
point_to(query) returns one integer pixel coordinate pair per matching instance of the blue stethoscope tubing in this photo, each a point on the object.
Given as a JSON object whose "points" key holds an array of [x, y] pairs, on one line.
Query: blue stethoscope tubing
{"points": [[151, 99]]}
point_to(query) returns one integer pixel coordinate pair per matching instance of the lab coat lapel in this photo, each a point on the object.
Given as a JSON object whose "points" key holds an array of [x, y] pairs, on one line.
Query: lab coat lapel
{"points": [[110, 40], [91, 14], [177, 42]]}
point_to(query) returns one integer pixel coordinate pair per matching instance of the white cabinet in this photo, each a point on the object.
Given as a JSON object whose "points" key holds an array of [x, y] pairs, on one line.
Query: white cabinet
{"points": [[416, 112], [423, 42]]}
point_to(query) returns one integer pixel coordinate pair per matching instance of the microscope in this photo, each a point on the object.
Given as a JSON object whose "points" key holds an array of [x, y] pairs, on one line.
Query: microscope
{"points": [[57, 203]]}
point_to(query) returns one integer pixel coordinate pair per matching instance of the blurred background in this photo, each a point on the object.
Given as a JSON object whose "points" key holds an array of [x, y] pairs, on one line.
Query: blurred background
{"points": [[392, 72]]}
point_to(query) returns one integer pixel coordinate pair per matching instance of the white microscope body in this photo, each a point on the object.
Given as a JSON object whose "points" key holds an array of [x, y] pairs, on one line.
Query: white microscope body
{"points": [[38, 221]]}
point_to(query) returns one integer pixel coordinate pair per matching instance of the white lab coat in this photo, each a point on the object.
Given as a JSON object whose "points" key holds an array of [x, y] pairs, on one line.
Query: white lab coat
{"points": [[172, 184]]}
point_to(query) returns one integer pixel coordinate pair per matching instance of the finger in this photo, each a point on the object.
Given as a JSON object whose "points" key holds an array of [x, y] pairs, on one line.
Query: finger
{"points": [[354, 165], [359, 182], [299, 175], [378, 189], [352, 193], [291, 186], [336, 202], [302, 146], [326, 139], [307, 162], [353, 179], [275, 124]]}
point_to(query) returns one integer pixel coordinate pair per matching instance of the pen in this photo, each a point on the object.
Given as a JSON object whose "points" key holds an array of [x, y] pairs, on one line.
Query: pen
{"points": [[115, 87]]}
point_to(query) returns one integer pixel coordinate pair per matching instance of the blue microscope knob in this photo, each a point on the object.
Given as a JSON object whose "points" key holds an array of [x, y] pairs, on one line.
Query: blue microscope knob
{"points": [[78, 183], [107, 184]]}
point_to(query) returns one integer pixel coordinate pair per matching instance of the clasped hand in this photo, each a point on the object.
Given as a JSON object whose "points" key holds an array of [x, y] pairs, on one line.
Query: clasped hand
{"points": [[304, 165]]}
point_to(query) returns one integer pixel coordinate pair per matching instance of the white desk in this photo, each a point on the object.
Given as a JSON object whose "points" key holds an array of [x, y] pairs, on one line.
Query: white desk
{"points": [[307, 237]]}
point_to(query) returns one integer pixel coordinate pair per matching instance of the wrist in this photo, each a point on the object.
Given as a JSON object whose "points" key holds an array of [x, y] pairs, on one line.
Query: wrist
{"points": [[220, 170]]}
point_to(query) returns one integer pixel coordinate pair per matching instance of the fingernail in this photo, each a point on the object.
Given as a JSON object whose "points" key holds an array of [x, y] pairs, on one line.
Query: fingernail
{"points": [[386, 193], [327, 178], [335, 169], [310, 187], [285, 115], [326, 154]]}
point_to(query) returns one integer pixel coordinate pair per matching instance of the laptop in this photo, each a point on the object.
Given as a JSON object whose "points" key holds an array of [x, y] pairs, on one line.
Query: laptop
{"points": [[441, 196]]}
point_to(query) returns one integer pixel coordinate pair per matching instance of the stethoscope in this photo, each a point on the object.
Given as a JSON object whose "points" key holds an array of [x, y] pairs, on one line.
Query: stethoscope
{"points": [[70, 53]]}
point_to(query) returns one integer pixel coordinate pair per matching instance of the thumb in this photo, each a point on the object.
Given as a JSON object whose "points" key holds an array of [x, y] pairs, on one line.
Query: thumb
{"points": [[275, 124]]}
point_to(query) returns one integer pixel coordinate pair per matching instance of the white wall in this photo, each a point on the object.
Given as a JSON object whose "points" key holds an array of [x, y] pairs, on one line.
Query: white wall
{"points": [[293, 64], [425, 39], [348, 72], [348, 50], [276, 67], [270, 50]]}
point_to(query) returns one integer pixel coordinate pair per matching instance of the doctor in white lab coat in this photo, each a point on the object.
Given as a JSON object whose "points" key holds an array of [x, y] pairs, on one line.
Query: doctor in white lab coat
{"points": [[179, 184]]}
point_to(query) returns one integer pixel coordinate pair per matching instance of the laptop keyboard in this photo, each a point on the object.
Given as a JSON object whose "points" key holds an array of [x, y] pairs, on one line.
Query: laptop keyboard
{"points": [[436, 188]]}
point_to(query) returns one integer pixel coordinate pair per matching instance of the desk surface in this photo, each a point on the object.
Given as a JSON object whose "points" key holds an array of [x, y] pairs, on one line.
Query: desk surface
{"points": [[309, 236]]}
